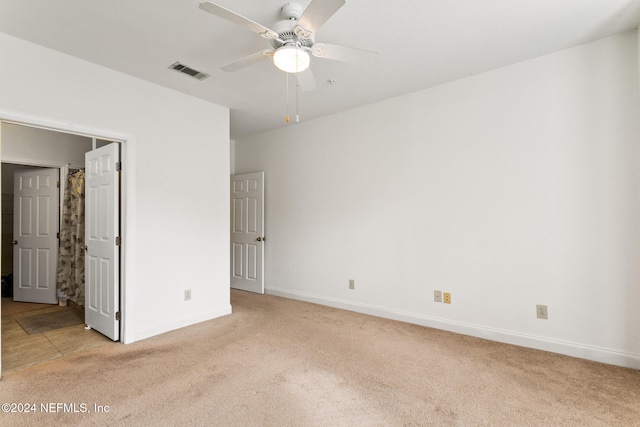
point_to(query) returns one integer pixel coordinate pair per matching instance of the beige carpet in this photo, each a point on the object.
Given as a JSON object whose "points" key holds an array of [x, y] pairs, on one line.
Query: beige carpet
{"points": [[279, 362]]}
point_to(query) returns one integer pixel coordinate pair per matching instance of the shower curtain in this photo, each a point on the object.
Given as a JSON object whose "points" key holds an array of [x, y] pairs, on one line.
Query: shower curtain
{"points": [[71, 256]]}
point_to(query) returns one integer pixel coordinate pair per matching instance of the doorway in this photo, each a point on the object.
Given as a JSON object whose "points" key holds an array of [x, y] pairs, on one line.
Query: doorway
{"points": [[26, 161]]}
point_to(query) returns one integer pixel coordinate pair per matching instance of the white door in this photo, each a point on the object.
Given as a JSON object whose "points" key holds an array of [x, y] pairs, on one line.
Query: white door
{"points": [[35, 234], [247, 232], [102, 234]]}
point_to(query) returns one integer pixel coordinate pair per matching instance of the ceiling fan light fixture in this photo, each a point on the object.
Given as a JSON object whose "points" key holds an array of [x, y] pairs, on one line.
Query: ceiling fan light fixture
{"points": [[291, 59]]}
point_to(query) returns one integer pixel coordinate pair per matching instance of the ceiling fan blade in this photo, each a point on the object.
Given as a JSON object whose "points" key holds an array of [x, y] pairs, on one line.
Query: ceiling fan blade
{"points": [[248, 60], [318, 12], [224, 13], [306, 81], [345, 54]]}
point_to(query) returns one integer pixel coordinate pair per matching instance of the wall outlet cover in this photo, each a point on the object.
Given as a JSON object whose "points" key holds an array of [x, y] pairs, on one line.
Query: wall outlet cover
{"points": [[437, 296], [541, 312], [447, 298]]}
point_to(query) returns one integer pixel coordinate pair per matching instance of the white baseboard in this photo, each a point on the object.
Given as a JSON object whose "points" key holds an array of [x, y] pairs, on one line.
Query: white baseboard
{"points": [[177, 324], [603, 355]]}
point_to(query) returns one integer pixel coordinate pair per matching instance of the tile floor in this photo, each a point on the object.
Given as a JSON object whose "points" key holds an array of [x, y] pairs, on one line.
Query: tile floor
{"points": [[20, 350]]}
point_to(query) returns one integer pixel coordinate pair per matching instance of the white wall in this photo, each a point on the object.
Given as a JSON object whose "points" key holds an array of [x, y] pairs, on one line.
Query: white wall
{"points": [[28, 145], [508, 189], [178, 149], [232, 156]]}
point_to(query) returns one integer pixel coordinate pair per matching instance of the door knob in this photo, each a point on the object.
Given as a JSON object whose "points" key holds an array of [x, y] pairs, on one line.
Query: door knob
{"points": [[261, 239], [15, 242]]}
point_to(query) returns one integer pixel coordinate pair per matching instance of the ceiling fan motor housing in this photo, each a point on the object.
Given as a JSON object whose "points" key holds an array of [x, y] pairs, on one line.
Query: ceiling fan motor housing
{"points": [[287, 35]]}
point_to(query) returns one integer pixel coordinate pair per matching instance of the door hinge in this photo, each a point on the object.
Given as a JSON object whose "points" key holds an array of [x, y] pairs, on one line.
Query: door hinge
{"points": [[118, 166], [58, 184], [117, 315], [58, 235], [118, 241]]}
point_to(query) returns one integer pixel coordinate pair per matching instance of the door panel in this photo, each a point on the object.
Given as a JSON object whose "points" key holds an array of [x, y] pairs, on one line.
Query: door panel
{"points": [[102, 261], [247, 232], [252, 261], [35, 228]]}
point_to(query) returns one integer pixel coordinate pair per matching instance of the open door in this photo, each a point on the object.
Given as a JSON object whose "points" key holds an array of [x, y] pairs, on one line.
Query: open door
{"points": [[35, 233], [102, 237], [247, 232]]}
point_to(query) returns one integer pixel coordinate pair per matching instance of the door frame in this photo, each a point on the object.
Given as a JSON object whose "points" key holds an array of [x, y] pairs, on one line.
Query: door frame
{"points": [[127, 200]]}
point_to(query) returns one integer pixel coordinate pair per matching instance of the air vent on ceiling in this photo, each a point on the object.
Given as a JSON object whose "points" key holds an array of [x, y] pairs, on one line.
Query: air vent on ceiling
{"points": [[188, 71]]}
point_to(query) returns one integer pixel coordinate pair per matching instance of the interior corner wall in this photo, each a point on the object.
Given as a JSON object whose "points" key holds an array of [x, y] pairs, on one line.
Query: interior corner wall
{"points": [[181, 225], [508, 189]]}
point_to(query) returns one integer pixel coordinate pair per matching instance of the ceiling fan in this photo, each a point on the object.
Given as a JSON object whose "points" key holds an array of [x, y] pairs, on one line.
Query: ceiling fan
{"points": [[293, 38]]}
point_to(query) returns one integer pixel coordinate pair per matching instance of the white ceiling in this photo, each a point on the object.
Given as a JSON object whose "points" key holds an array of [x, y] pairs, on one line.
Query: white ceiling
{"points": [[422, 43]]}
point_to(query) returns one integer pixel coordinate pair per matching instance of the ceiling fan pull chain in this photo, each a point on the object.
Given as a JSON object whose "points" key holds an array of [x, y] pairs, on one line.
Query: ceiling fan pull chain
{"points": [[287, 116], [297, 92]]}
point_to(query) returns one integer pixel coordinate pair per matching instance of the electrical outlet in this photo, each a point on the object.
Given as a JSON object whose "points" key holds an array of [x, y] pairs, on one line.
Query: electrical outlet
{"points": [[352, 284], [187, 295], [437, 296], [541, 311], [447, 298]]}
